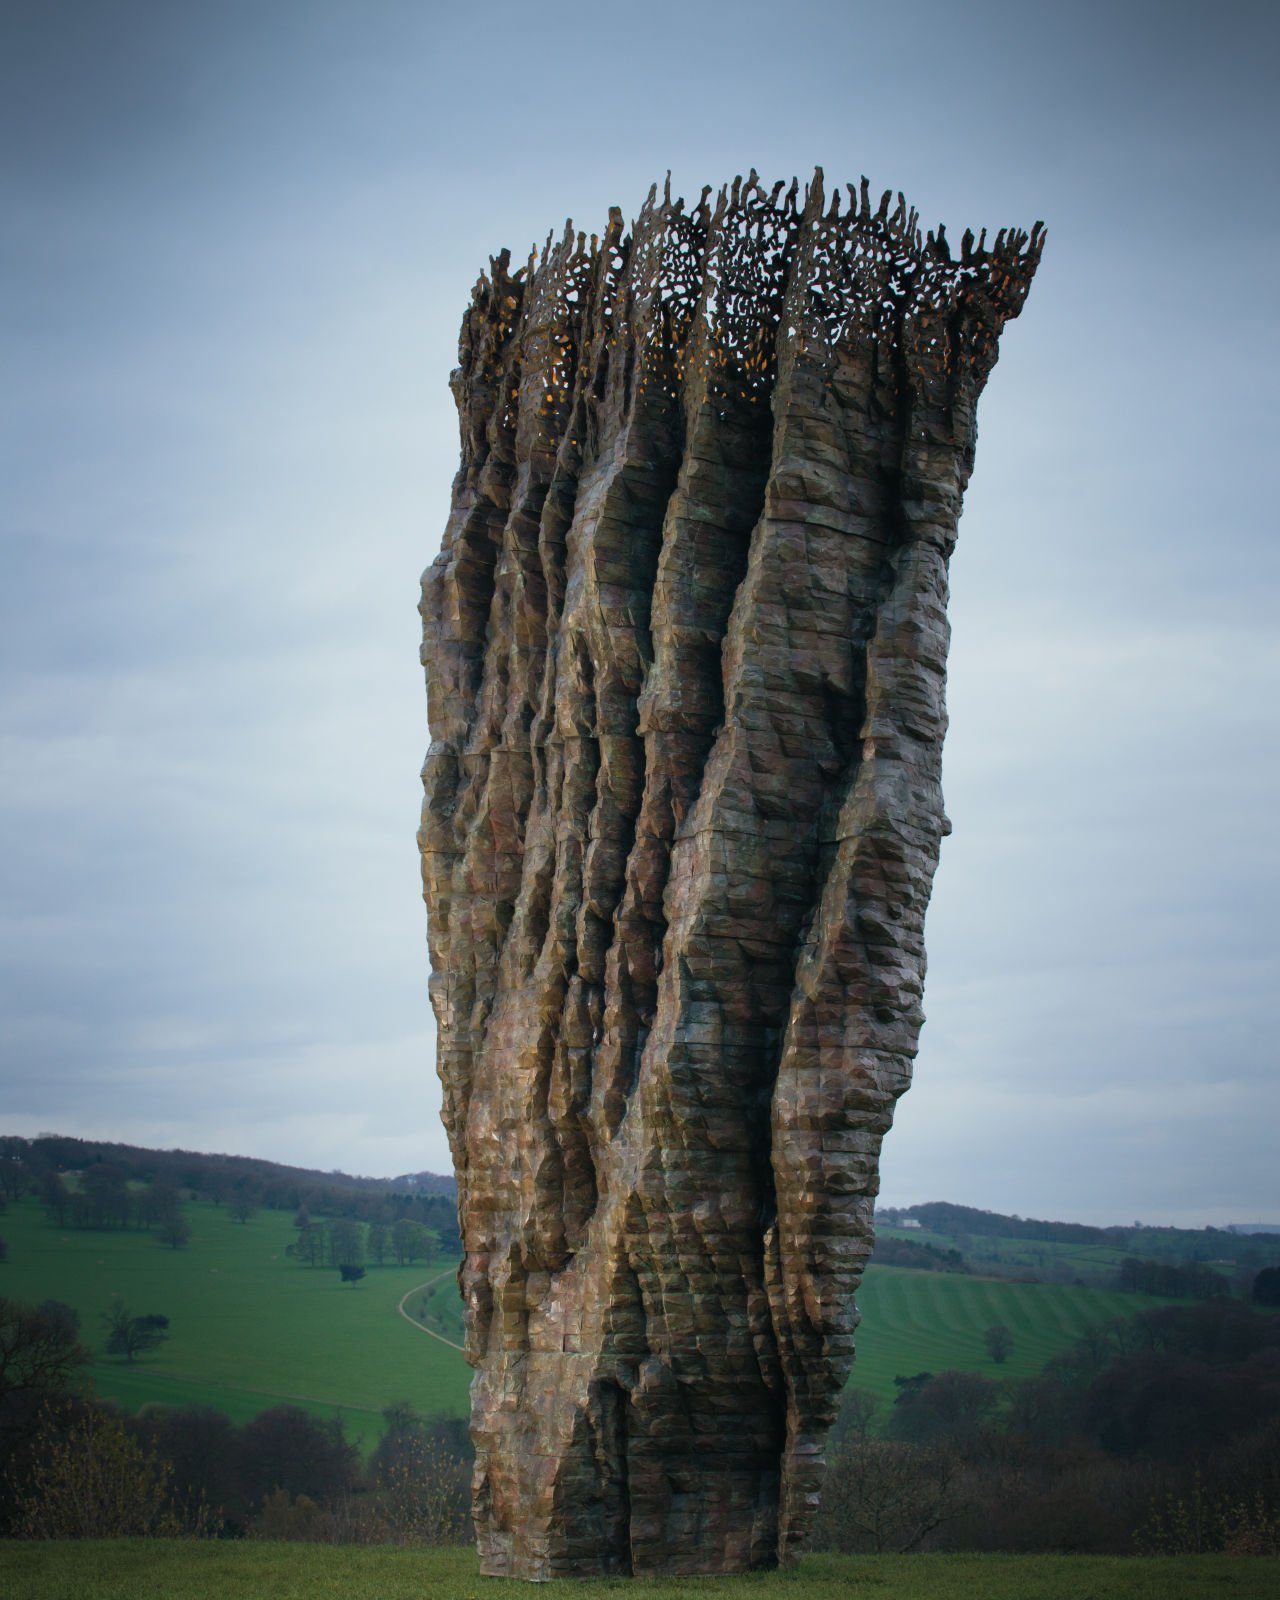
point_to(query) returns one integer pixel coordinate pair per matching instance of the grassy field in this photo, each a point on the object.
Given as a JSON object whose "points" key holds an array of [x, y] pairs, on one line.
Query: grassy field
{"points": [[916, 1321], [138, 1569], [252, 1329]]}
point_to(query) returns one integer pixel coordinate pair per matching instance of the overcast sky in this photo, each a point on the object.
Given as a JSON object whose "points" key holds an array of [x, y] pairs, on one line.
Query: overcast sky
{"points": [[238, 239]]}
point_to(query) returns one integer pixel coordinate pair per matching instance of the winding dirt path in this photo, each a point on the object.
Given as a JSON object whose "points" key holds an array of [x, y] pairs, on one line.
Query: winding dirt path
{"points": [[417, 1289]]}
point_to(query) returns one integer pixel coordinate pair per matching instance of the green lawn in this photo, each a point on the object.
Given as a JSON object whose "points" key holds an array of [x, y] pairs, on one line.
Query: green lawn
{"points": [[250, 1329], [137, 1569]]}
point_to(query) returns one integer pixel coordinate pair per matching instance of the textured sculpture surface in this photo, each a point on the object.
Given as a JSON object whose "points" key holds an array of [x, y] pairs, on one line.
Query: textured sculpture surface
{"points": [[685, 647]]}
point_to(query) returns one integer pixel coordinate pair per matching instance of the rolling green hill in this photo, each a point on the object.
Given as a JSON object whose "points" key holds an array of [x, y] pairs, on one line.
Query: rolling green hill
{"points": [[1062, 1252], [934, 1321], [250, 1329], [1010, 1255], [253, 1329]]}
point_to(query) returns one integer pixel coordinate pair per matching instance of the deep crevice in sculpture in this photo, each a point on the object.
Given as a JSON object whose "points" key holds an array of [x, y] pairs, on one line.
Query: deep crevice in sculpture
{"points": [[685, 644]]}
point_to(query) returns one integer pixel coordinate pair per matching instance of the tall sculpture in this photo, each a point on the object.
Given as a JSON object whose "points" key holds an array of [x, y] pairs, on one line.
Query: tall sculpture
{"points": [[685, 647]]}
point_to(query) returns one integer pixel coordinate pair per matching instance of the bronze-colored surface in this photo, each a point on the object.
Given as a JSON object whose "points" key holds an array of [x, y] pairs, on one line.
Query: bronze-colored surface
{"points": [[685, 647]]}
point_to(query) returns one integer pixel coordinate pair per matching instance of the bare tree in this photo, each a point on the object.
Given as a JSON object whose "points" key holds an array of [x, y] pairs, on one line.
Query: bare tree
{"points": [[853, 1420], [882, 1497], [175, 1231], [131, 1336], [40, 1352], [999, 1342]]}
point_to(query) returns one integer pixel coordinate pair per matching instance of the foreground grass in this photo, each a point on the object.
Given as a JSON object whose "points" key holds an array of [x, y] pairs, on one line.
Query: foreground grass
{"points": [[139, 1569]]}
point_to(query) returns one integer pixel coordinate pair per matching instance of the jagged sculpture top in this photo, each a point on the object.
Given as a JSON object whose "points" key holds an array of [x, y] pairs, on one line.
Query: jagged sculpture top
{"points": [[685, 647]]}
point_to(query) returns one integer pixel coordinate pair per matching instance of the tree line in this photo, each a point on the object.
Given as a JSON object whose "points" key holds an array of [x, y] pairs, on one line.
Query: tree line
{"points": [[89, 1185], [1179, 1245], [1159, 1432], [1174, 1263], [1186, 1280], [1189, 1280], [344, 1243], [927, 1257], [941, 1216]]}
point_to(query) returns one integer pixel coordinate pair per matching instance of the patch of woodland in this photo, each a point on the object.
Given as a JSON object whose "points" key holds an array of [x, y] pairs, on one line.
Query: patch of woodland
{"points": [[84, 1184], [73, 1467], [1158, 1433], [1157, 1243], [891, 1252], [1177, 1263]]}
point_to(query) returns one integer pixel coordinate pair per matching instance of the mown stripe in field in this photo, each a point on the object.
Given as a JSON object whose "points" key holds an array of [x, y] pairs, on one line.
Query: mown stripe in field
{"points": [[915, 1321]]}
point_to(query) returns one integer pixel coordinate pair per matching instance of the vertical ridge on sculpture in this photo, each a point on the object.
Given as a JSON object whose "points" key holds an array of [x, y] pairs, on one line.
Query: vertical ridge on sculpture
{"points": [[685, 647]]}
